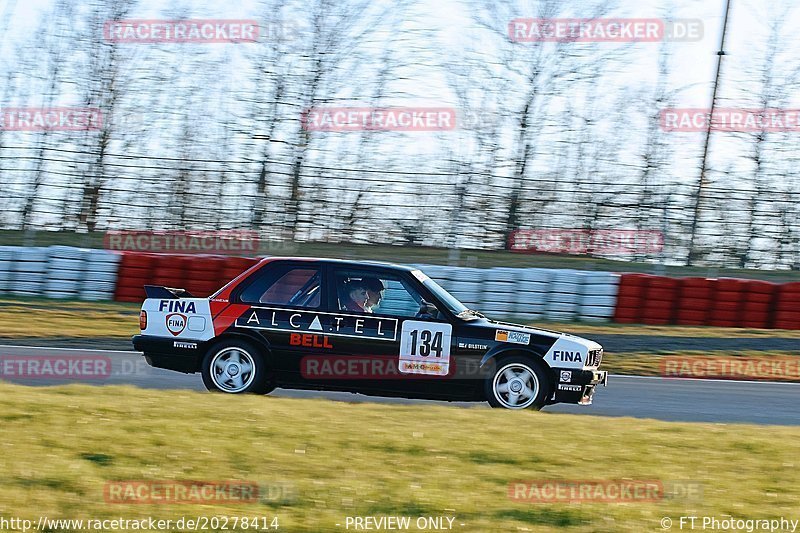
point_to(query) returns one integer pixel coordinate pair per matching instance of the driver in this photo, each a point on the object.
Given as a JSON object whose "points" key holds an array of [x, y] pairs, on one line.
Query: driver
{"points": [[355, 297], [375, 290]]}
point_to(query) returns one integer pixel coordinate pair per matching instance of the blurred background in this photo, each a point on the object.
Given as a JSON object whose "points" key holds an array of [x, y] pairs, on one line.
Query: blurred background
{"points": [[548, 134]]}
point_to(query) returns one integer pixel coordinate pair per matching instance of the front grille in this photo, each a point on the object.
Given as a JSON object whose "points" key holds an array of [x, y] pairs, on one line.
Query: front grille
{"points": [[595, 357]]}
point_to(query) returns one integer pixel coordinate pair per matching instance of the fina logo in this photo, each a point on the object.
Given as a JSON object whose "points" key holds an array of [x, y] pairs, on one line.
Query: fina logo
{"points": [[176, 323], [177, 306], [567, 356]]}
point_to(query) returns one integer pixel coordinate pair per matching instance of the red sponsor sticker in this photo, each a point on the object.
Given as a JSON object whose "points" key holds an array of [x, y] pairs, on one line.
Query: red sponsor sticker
{"points": [[310, 340]]}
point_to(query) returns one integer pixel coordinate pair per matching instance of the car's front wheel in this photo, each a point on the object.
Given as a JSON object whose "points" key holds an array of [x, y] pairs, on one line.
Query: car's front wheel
{"points": [[236, 367], [517, 383]]}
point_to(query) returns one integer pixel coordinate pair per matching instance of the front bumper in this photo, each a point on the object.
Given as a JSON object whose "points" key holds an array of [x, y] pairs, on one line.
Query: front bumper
{"points": [[179, 355], [576, 386]]}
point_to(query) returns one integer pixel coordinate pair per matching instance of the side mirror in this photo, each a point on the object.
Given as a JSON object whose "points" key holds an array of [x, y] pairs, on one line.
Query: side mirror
{"points": [[428, 309]]}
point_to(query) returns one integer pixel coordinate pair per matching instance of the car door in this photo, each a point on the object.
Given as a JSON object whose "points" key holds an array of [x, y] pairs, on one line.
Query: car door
{"points": [[284, 306], [395, 347]]}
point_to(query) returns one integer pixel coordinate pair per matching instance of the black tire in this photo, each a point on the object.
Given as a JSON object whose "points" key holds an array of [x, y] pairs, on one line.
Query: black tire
{"points": [[528, 374], [236, 367]]}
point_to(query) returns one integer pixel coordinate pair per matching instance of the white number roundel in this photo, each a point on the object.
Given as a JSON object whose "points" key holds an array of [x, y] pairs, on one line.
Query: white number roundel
{"points": [[425, 348]]}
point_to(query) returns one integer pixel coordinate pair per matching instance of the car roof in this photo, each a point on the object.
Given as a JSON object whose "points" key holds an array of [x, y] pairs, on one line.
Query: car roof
{"points": [[343, 262]]}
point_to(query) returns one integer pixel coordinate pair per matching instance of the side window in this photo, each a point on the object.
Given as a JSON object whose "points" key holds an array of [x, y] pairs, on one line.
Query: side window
{"points": [[297, 287], [398, 301], [384, 293]]}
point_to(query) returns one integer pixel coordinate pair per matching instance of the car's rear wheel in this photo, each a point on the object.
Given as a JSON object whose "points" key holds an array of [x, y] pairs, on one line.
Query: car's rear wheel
{"points": [[518, 382], [236, 367]]}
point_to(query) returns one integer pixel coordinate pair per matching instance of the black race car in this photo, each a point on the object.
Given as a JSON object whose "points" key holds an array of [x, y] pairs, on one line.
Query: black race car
{"points": [[366, 327]]}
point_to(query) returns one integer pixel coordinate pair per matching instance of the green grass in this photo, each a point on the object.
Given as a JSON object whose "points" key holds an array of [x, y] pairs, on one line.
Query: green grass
{"points": [[61, 445], [27, 318], [420, 254]]}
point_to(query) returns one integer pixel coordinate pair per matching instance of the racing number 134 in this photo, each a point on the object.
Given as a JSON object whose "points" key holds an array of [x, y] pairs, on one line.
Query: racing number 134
{"points": [[427, 341], [425, 347]]}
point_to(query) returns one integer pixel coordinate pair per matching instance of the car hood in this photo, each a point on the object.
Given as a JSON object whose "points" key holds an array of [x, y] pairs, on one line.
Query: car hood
{"points": [[566, 351]]}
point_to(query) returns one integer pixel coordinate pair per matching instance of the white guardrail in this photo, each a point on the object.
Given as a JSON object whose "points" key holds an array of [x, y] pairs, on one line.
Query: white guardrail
{"points": [[58, 272], [531, 293], [528, 293]]}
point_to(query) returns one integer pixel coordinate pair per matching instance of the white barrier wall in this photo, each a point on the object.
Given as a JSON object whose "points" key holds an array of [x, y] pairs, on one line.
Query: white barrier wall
{"points": [[531, 293], [58, 272], [522, 293], [27, 271]]}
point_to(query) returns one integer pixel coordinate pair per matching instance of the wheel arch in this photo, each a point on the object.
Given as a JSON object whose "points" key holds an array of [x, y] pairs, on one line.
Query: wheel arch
{"points": [[507, 351], [235, 334]]}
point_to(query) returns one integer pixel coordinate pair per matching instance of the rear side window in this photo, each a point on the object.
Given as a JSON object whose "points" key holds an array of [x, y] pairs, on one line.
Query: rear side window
{"points": [[296, 287]]}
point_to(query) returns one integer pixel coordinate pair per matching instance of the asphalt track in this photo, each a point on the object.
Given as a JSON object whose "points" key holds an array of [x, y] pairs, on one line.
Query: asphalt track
{"points": [[688, 400]]}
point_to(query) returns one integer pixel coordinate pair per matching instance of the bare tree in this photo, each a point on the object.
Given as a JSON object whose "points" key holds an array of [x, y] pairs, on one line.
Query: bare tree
{"points": [[52, 37], [773, 92], [102, 79]]}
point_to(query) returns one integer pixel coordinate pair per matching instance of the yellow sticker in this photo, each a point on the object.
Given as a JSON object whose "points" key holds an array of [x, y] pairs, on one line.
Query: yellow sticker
{"points": [[517, 337]]}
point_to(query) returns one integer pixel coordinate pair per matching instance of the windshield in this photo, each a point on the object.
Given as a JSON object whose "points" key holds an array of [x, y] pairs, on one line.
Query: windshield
{"points": [[445, 297]]}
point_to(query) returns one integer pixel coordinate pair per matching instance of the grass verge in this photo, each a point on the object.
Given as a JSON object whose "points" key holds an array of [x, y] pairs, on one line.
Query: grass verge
{"points": [[61, 445], [48, 318]]}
